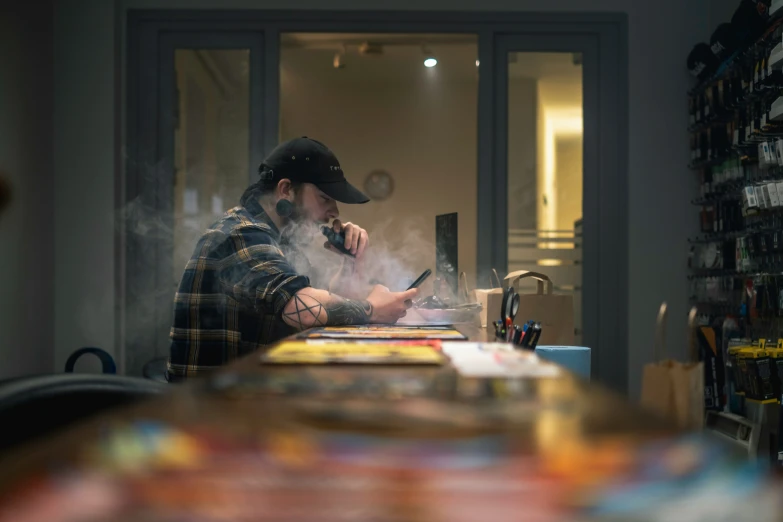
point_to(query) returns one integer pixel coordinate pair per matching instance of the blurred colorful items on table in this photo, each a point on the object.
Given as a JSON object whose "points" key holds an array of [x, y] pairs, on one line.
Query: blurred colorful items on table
{"points": [[305, 474], [148, 444], [692, 478]]}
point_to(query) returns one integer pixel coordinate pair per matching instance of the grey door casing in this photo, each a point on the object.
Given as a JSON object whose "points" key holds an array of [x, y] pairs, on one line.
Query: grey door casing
{"points": [[602, 39]]}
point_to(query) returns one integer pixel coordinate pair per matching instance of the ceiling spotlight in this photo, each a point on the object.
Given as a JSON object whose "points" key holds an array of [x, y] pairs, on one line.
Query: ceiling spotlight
{"points": [[429, 57]]}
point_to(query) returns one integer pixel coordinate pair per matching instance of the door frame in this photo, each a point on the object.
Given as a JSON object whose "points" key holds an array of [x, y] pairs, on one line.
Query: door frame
{"points": [[604, 193], [605, 202]]}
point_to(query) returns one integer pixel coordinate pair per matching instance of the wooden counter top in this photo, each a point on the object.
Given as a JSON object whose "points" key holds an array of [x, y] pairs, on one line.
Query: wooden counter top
{"points": [[574, 430]]}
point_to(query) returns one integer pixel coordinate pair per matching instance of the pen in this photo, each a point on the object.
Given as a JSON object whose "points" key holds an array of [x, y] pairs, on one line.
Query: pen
{"points": [[535, 333], [525, 341], [509, 330], [517, 334], [522, 334]]}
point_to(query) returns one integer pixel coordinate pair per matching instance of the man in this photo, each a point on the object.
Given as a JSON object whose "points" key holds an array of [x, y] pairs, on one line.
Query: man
{"points": [[240, 291]]}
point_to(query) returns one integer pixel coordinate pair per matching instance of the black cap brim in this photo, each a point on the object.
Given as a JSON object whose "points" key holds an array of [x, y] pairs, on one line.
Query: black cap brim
{"points": [[343, 192]]}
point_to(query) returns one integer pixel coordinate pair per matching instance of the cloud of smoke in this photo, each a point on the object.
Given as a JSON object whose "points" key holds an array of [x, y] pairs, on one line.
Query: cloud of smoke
{"points": [[397, 254]]}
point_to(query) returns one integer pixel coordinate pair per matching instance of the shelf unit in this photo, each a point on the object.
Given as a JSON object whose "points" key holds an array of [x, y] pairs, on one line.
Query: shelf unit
{"points": [[736, 129]]}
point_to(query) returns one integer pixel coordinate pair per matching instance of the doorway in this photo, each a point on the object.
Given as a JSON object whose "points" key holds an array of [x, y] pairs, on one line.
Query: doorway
{"points": [[501, 125]]}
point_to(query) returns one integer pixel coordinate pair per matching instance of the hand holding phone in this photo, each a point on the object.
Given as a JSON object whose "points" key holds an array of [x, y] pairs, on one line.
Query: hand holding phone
{"points": [[389, 307]]}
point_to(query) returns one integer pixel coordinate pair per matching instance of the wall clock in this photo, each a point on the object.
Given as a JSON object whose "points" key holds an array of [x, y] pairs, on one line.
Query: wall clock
{"points": [[379, 185]]}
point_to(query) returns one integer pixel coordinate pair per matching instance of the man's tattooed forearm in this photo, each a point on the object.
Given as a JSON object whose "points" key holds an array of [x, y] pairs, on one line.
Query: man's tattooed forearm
{"points": [[347, 311], [305, 311]]}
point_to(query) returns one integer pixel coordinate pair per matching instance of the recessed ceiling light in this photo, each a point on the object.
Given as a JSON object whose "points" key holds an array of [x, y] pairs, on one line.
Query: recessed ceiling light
{"points": [[429, 57]]}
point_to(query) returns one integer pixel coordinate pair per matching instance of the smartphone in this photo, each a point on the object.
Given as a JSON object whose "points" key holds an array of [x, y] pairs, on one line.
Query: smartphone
{"points": [[423, 277]]}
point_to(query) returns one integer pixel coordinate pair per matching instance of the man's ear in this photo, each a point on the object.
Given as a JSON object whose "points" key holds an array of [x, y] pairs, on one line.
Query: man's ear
{"points": [[284, 188]]}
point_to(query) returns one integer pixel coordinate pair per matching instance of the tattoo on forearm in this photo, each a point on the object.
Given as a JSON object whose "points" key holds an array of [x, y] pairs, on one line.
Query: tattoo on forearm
{"points": [[305, 311], [347, 311]]}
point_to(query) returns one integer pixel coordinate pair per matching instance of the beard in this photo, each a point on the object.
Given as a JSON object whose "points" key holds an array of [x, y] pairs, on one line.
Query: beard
{"points": [[300, 228], [302, 216]]}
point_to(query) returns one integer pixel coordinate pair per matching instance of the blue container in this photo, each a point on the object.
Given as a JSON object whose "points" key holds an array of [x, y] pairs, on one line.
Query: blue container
{"points": [[575, 359]]}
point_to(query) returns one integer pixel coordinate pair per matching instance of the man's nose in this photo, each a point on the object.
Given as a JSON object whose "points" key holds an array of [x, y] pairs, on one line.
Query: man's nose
{"points": [[333, 212]]}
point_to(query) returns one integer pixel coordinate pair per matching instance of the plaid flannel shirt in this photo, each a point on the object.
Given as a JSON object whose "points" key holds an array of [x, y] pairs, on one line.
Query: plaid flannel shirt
{"points": [[230, 300]]}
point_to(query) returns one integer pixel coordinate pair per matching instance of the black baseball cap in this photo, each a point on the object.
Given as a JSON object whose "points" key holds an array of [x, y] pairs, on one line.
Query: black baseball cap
{"points": [[305, 160]]}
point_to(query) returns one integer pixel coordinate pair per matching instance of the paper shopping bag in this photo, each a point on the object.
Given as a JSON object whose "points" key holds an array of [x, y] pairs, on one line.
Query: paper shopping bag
{"points": [[555, 312], [671, 388], [658, 389], [688, 390], [490, 299]]}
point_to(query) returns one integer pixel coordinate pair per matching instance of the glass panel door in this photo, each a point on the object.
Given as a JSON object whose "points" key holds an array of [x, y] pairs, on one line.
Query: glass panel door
{"points": [[545, 175], [203, 150], [560, 178], [211, 141]]}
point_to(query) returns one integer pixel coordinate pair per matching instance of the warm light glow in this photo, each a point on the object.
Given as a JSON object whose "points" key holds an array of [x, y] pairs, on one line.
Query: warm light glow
{"points": [[552, 427], [557, 122], [430, 62], [477, 63]]}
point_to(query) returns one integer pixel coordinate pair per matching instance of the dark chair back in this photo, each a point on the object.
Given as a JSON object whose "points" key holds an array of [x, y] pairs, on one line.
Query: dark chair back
{"points": [[31, 407], [107, 361]]}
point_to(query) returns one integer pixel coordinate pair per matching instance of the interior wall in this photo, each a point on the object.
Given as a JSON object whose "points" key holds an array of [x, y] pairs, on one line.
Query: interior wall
{"points": [[660, 36], [559, 107], [26, 235], [426, 140], [568, 157], [84, 177], [718, 12]]}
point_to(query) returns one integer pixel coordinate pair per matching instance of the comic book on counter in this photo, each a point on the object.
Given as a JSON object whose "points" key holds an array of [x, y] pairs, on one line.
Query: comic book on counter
{"points": [[330, 351]]}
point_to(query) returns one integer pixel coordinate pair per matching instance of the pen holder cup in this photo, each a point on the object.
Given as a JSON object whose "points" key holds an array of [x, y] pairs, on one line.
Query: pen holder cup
{"points": [[575, 359]]}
